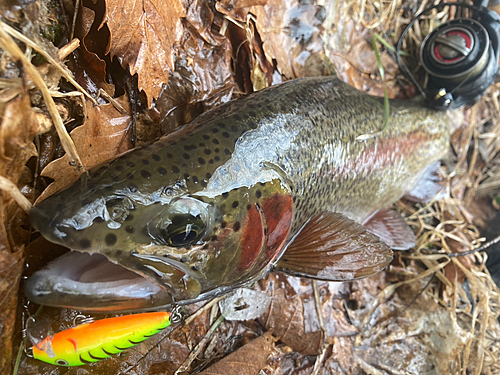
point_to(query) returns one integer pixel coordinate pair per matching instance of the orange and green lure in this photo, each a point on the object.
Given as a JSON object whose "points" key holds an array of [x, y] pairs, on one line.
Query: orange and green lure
{"points": [[94, 341]]}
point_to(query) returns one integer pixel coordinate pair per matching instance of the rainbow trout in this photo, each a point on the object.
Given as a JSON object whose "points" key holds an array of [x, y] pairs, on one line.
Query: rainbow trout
{"points": [[279, 180]]}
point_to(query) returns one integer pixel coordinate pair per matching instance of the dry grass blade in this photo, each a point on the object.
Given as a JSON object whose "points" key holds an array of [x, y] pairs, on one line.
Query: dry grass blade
{"points": [[16, 34], [8, 44], [9, 187]]}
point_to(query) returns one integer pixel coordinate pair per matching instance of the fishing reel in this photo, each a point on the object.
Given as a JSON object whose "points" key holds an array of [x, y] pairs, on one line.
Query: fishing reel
{"points": [[459, 56]]}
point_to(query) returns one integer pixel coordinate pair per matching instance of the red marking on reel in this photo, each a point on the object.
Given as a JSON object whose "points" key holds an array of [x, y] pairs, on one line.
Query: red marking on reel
{"points": [[468, 43]]}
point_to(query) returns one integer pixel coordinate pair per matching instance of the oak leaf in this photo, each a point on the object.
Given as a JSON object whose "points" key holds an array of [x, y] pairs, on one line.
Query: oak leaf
{"points": [[143, 35]]}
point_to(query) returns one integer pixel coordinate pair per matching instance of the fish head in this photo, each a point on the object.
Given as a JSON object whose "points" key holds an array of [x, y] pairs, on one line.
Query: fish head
{"points": [[175, 239]]}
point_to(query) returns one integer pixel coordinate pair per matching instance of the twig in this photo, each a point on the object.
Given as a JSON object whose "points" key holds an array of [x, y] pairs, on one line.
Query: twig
{"points": [[196, 351], [8, 44], [11, 188], [67, 49]]}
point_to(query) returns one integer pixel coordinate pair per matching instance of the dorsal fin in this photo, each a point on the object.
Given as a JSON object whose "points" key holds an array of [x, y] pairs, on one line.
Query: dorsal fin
{"points": [[333, 247]]}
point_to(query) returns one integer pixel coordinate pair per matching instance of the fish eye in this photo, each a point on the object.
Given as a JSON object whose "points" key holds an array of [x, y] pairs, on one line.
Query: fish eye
{"points": [[61, 362], [184, 222], [184, 230]]}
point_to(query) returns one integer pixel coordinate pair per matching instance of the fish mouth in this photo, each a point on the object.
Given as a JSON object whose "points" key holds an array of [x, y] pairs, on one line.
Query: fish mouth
{"points": [[92, 283]]}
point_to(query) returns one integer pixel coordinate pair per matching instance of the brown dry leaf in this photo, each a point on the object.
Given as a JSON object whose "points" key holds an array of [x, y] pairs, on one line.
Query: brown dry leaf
{"points": [[248, 360], [90, 69], [104, 135], [18, 126], [143, 36], [292, 314]]}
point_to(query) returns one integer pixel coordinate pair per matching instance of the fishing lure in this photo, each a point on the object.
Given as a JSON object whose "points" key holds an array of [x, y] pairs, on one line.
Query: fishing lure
{"points": [[100, 339]]}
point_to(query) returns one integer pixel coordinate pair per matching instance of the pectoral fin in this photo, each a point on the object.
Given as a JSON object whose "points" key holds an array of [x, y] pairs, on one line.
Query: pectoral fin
{"points": [[333, 247], [428, 186], [392, 229]]}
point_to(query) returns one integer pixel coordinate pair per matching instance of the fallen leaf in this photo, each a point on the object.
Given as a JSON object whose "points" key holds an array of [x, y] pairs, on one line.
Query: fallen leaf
{"points": [[143, 37], [248, 360], [18, 126], [104, 135], [90, 69]]}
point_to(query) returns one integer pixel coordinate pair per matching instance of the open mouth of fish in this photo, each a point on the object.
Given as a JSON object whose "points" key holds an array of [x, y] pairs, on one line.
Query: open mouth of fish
{"points": [[91, 282]]}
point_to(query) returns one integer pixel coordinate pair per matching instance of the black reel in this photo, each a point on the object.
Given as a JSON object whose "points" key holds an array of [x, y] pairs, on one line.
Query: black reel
{"points": [[460, 56]]}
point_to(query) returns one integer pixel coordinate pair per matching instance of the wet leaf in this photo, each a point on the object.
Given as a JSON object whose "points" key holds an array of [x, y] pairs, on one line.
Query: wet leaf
{"points": [[143, 37], [104, 134], [248, 360]]}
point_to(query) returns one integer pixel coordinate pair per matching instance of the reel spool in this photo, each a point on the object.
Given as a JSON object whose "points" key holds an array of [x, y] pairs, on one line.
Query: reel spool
{"points": [[459, 56]]}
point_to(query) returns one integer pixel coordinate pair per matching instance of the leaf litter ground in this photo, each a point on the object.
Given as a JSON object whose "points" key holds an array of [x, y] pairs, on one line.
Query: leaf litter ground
{"points": [[428, 313]]}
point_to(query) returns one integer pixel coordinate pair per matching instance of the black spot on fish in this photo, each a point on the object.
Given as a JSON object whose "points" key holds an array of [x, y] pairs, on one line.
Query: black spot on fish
{"points": [[249, 207], [237, 226], [186, 176], [223, 224], [227, 152], [258, 194], [235, 204], [175, 169], [221, 125], [204, 183], [206, 137], [156, 157], [208, 151], [216, 150], [110, 239], [186, 156], [85, 243], [170, 156], [215, 141], [225, 195], [162, 171], [129, 217], [201, 161], [114, 178], [145, 161], [145, 173], [95, 357], [252, 114], [119, 252], [211, 161], [119, 168], [84, 360], [237, 118], [130, 176], [195, 179], [252, 124], [208, 175], [234, 128], [217, 158], [214, 238], [215, 130], [270, 108], [130, 164], [201, 144], [225, 135], [129, 229]]}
